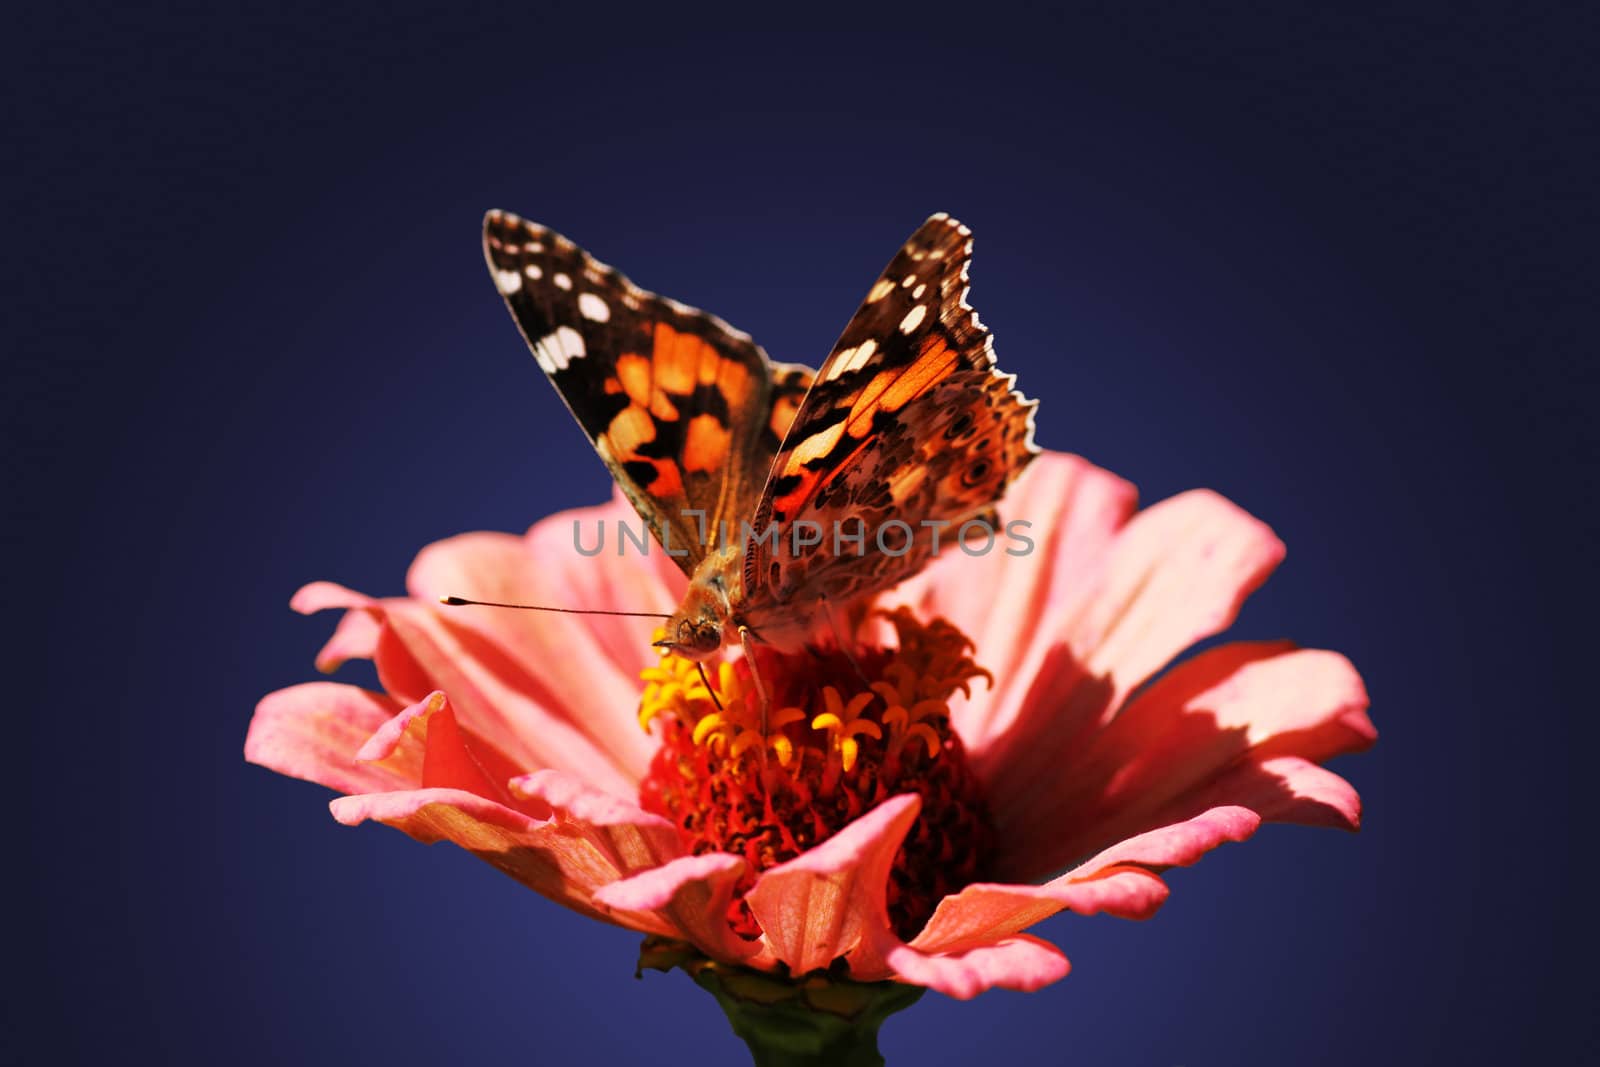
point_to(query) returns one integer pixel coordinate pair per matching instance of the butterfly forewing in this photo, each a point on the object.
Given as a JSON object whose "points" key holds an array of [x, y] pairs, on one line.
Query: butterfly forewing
{"points": [[685, 410], [907, 432]]}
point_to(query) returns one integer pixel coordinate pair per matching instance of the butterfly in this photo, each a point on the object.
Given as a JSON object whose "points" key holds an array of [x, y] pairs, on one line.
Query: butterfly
{"points": [[781, 492]]}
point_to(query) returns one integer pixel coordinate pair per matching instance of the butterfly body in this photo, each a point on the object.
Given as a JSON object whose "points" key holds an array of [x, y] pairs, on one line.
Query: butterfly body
{"points": [[781, 492], [711, 611]]}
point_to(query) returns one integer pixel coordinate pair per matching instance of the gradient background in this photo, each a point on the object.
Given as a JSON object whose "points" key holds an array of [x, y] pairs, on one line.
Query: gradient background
{"points": [[1335, 269]]}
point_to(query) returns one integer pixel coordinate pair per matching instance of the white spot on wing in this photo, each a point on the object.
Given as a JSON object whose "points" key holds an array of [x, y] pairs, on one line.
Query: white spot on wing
{"points": [[562, 281], [880, 290], [916, 294], [533, 272], [905, 283], [913, 318], [862, 354], [592, 307], [556, 350], [507, 281], [851, 359]]}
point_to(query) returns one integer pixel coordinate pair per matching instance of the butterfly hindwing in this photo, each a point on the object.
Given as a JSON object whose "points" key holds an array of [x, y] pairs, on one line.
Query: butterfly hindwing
{"points": [[907, 432], [685, 410], [790, 383]]}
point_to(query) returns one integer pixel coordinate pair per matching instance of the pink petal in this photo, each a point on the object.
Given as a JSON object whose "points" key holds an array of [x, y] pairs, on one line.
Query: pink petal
{"points": [[322, 596], [1282, 789], [1178, 573], [361, 634], [314, 730], [973, 943], [356, 637], [430, 647], [546, 567], [1074, 510], [574, 799], [589, 840], [831, 900], [983, 913], [694, 894], [586, 666], [1175, 574], [1177, 844], [1021, 962], [547, 689], [399, 672], [476, 823], [1188, 728], [1120, 881], [450, 758]]}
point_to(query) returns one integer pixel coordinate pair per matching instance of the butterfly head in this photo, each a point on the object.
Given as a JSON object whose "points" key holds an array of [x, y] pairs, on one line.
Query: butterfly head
{"points": [[696, 630], [692, 636]]}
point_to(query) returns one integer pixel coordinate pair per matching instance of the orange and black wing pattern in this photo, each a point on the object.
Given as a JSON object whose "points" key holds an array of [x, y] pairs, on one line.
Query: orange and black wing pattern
{"points": [[908, 431], [686, 411]]}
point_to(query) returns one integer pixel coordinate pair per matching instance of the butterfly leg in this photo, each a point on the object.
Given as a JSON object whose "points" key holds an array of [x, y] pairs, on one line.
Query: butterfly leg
{"points": [[706, 680], [747, 641], [839, 639]]}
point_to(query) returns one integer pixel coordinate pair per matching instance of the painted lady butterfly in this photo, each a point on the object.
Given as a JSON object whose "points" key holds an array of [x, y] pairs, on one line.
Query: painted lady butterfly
{"points": [[776, 487]]}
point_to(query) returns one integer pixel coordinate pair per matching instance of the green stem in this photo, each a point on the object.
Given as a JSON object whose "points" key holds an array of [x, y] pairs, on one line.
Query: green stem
{"points": [[818, 1019]]}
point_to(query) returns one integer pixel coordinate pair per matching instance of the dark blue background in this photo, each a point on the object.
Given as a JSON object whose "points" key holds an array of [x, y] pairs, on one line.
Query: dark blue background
{"points": [[1334, 268]]}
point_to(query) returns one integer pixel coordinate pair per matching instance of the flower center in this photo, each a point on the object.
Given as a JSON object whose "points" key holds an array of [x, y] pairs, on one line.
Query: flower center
{"points": [[843, 734]]}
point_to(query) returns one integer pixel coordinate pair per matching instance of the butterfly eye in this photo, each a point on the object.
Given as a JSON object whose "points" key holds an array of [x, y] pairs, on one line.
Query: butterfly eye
{"points": [[706, 636]]}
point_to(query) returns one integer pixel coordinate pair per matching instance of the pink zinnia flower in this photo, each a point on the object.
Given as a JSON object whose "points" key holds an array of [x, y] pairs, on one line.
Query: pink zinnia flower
{"points": [[892, 822]]}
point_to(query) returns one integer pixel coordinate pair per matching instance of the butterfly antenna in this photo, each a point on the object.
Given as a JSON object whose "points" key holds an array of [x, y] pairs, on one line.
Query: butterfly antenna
{"points": [[461, 601]]}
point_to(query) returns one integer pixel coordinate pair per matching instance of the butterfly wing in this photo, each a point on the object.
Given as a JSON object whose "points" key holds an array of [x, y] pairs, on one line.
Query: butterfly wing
{"points": [[686, 411], [790, 383], [907, 432]]}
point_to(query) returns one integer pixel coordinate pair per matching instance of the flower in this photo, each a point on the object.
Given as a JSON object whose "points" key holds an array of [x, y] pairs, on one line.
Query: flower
{"points": [[1003, 744]]}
